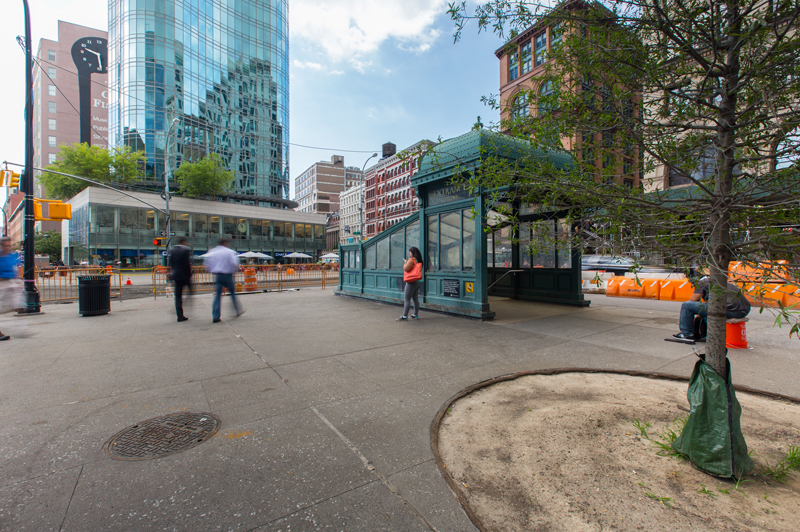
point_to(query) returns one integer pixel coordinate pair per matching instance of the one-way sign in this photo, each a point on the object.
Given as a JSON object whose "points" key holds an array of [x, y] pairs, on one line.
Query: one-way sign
{"points": [[164, 233]]}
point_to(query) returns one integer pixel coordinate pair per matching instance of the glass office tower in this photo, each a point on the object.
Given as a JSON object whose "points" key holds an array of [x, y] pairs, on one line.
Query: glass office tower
{"points": [[221, 67]]}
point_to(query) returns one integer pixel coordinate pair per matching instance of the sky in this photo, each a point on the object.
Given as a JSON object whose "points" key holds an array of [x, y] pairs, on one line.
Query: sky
{"points": [[362, 73]]}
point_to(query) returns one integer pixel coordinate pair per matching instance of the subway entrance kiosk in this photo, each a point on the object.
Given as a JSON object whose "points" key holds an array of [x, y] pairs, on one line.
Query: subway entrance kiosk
{"points": [[469, 253]]}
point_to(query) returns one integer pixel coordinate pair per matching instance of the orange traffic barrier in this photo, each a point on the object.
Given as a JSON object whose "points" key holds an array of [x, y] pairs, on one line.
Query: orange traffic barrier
{"points": [[289, 271], [792, 295], [680, 290], [627, 288], [769, 272], [769, 295], [250, 281], [612, 290], [652, 288], [735, 334]]}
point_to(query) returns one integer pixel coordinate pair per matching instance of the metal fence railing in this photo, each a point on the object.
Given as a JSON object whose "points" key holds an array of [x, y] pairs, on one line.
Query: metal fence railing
{"points": [[61, 283], [254, 278]]}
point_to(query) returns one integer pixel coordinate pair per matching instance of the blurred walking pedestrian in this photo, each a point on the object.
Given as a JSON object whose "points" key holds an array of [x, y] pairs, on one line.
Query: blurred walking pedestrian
{"points": [[10, 286], [180, 259], [223, 262]]}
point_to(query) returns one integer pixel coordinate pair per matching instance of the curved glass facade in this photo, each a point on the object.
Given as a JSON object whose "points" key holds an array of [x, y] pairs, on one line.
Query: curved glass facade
{"points": [[222, 68]]}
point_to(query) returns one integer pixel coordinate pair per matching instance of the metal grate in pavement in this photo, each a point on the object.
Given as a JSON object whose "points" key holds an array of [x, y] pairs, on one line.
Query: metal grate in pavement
{"points": [[162, 436]]}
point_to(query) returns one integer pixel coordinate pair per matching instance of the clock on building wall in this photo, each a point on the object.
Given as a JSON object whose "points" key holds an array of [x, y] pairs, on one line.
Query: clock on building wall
{"points": [[90, 55], [242, 228]]}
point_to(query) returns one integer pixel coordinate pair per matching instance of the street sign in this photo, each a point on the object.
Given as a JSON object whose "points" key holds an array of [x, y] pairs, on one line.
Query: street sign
{"points": [[164, 233]]}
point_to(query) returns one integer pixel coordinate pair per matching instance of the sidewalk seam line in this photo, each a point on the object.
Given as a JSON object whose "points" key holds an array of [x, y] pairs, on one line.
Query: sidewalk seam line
{"points": [[385, 481], [74, 488]]}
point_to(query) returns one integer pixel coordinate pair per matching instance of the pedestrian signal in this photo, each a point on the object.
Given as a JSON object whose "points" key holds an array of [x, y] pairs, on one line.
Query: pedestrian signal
{"points": [[159, 241]]}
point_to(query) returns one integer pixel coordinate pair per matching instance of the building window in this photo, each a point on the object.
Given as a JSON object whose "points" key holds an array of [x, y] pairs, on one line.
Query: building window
{"points": [[519, 106], [51, 158], [525, 63], [51, 71], [51, 90], [51, 141], [541, 48], [51, 124], [51, 55], [547, 89], [513, 66], [555, 36], [51, 107]]}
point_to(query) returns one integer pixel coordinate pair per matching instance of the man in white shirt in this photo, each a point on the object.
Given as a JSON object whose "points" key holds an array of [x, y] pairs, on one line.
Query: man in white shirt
{"points": [[223, 262]]}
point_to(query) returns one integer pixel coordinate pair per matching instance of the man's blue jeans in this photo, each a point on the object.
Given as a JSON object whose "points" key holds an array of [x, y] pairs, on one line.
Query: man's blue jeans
{"points": [[224, 280], [690, 309]]}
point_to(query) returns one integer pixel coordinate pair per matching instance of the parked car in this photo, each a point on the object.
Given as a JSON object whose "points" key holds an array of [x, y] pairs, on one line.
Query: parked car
{"points": [[616, 265]]}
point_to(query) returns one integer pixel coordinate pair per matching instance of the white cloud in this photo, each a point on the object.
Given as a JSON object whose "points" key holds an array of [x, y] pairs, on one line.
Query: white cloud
{"points": [[307, 64], [349, 30], [337, 72]]}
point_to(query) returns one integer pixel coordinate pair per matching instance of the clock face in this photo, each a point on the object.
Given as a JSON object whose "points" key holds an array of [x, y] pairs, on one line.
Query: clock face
{"points": [[90, 55], [242, 227]]}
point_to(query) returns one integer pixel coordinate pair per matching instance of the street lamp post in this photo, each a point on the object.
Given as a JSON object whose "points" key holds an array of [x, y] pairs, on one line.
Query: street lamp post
{"points": [[33, 305], [175, 120], [361, 200]]}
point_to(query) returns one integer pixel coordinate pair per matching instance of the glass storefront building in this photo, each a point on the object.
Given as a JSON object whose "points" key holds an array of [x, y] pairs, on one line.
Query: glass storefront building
{"points": [[109, 227], [222, 68]]}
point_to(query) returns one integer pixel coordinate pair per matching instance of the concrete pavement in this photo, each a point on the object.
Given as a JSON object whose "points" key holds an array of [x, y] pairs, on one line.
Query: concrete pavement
{"points": [[325, 402]]}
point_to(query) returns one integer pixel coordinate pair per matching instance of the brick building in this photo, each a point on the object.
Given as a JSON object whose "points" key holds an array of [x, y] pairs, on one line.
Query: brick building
{"points": [[318, 188]]}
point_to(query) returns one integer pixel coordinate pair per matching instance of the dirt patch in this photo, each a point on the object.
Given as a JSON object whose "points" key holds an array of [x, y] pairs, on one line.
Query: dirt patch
{"points": [[563, 452]]}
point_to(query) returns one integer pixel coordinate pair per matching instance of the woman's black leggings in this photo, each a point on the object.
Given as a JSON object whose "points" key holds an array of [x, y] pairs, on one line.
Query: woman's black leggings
{"points": [[411, 291]]}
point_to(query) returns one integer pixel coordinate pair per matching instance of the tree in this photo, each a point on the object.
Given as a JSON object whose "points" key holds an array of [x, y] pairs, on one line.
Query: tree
{"points": [[206, 177], [700, 92], [117, 165], [48, 243]]}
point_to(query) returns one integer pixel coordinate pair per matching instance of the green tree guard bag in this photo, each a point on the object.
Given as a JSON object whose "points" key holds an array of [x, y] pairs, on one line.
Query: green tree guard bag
{"points": [[712, 437]]}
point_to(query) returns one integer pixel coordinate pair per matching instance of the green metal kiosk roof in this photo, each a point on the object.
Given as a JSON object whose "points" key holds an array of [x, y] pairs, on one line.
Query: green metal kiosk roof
{"points": [[468, 150]]}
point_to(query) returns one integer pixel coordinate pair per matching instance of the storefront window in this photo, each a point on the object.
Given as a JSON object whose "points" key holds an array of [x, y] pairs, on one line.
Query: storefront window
{"points": [[200, 225], [468, 240], [150, 221], [450, 241], [319, 232], [241, 228], [266, 229], [299, 231], [255, 229], [180, 223], [278, 228], [288, 230], [128, 220], [383, 254], [105, 219], [229, 226], [213, 226], [432, 260], [398, 252], [525, 245]]}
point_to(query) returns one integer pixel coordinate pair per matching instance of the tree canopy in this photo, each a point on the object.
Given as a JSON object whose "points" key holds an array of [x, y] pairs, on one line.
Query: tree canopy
{"points": [[206, 177], [48, 243], [700, 93], [117, 165]]}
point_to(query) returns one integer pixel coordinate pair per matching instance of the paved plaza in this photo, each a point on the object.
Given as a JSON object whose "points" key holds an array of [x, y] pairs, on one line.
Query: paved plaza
{"points": [[325, 404]]}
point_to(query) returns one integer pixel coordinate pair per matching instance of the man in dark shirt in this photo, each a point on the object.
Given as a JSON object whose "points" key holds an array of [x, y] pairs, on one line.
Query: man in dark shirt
{"points": [[737, 307], [180, 259]]}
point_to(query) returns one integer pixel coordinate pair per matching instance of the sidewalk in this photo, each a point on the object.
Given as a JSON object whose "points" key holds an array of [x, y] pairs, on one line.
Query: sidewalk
{"points": [[326, 404]]}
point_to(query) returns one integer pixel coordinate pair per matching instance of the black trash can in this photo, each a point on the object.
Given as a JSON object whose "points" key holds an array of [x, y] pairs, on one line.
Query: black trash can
{"points": [[94, 295]]}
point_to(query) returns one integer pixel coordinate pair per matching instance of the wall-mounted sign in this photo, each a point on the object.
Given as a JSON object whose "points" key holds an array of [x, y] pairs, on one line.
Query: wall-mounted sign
{"points": [[90, 55], [470, 287], [447, 194], [451, 287]]}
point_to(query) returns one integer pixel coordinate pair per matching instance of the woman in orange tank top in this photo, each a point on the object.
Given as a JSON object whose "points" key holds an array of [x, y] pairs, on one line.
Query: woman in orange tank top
{"points": [[412, 275]]}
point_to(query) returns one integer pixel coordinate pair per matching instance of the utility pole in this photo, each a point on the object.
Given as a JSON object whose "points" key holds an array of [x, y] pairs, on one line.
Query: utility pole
{"points": [[33, 304]]}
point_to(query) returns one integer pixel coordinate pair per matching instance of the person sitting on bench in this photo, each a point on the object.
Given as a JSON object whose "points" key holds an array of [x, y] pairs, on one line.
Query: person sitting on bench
{"points": [[737, 307]]}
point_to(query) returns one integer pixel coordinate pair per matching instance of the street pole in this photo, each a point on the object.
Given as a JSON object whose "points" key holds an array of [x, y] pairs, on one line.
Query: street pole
{"points": [[33, 305], [361, 200], [166, 180]]}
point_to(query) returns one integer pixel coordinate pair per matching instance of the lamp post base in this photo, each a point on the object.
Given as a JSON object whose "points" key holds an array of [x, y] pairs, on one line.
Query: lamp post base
{"points": [[33, 304]]}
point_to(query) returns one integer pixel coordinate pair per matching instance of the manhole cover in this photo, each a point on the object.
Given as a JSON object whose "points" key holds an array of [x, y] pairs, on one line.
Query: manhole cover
{"points": [[162, 436]]}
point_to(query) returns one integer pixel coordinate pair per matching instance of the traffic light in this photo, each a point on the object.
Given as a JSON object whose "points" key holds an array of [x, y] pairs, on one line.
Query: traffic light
{"points": [[10, 179], [56, 210], [157, 242]]}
